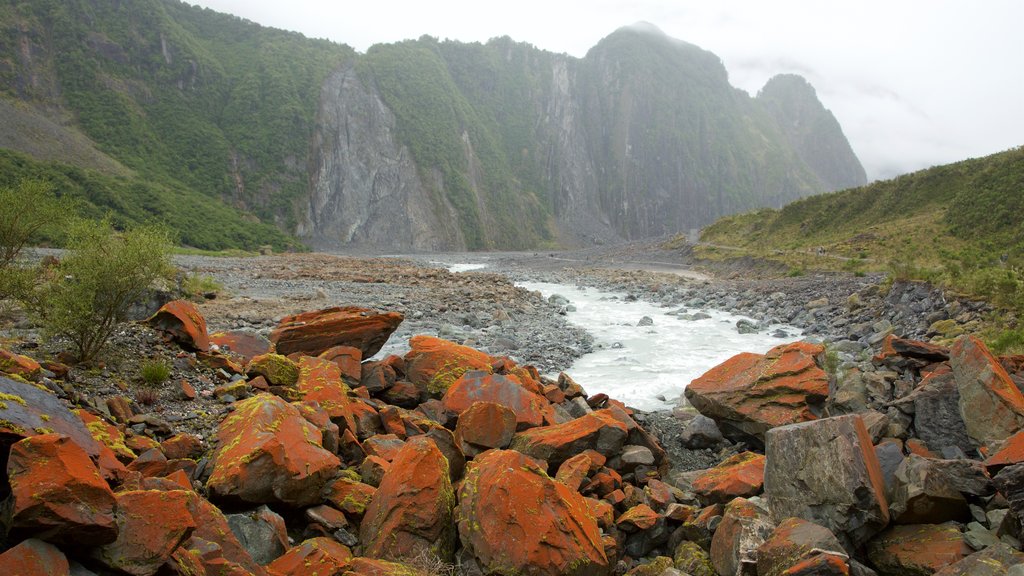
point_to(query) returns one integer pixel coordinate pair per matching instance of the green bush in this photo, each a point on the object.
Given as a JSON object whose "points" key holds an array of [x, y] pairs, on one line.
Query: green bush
{"points": [[27, 207], [154, 371], [87, 295]]}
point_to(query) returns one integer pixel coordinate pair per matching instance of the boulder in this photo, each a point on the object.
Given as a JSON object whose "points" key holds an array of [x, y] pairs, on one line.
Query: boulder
{"points": [[319, 555], [350, 496], [212, 527], [314, 332], [992, 561], [261, 532], [701, 432], [914, 549], [244, 344], [34, 557], [320, 381], [600, 431], [267, 452], [410, 514], [485, 425], [991, 405], [1009, 452], [1010, 483], [741, 475], [19, 365], [937, 416], [743, 529], [923, 494], [826, 472], [182, 320], [276, 369], [504, 527], [691, 559], [151, 525], [477, 386], [57, 493], [27, 410], [753, 393], [793, 542], [434, 364]]}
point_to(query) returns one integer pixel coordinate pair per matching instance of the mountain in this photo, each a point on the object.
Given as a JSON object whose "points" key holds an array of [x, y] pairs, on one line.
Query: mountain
{"points": [[417, 145]]}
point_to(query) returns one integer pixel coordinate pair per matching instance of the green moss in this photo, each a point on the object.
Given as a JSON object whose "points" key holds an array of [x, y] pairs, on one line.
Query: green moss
{"points": [[277, 369]]}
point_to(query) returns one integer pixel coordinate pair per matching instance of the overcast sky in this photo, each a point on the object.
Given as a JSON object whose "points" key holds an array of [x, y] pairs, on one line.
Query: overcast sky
{"points": [[914, 83]]}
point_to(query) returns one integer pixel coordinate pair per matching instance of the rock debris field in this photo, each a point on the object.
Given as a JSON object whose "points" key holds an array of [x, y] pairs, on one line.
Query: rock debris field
{"points": [[373, 416]]}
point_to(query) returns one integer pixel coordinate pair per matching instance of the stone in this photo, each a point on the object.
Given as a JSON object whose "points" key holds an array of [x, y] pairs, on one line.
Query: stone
{"points": [[374, 567], [1009, 452], [923, 494], [991, 405], [937, 416], [435, 364], [743, 529], [410, 514], [57, 494], [34, 557], [485, 425], [350, 496], [917, 548], [701, 432], [261, 532], [638, 518], [792, 542], [502, 526], [319, 555], [314, 332], [995, 560], [753, 393], [1010, 483], [741, 475], [349, 360], [151, 525], [824, 564], [529, 408], [182, 446], [26, 410], [267, 452], [276, 369], [691, 559], [243, 344], [19, 365], [320, 381], [182, 320], [213, 527], [826, 472], [600, 431]]}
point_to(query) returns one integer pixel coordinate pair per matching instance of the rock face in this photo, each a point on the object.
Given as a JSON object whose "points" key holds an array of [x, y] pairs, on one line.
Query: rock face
{"points": [[991, 405], [313, 332], [411, 512], [504, 529], [754, 393], [269, 453], [827, 472]]}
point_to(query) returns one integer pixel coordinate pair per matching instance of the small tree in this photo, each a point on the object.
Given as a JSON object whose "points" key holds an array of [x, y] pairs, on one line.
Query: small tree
{"points": [[104, 272], [27, 208]]}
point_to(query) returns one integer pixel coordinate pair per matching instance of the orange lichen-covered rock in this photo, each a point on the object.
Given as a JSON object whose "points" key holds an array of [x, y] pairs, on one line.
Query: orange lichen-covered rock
{"points": [[754, 393], [17, 364], [1010, 452], [314, 556], [278, 370], [739, 475], [182, 320], [637, 518], [600, 431], [245, 345], [320, 381], [182, 446], [349, 360], [991, 405], [513, 518], [314, 332], [485, 425], [821, 564], [151, 525], [26, 410], [475, 386], [411, 512], [917, 548], [57, 493], [34, 557], [435, 364], [793, 542], [107, 435], [743, 529], [350, 496], [267, 452], [212, 527]]}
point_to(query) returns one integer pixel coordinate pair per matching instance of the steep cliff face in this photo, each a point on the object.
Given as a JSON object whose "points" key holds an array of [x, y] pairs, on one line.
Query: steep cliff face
{"points": [[365, 188], [642, 137], [812, 131]]}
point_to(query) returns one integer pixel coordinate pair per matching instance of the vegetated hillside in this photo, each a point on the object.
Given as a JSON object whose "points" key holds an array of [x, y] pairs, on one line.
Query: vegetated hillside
{"points": [[197, 105], [422, 145], [959, 223]]}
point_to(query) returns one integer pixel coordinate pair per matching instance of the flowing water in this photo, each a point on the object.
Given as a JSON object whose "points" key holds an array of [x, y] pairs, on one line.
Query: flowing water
{"points": [[637, 364]]}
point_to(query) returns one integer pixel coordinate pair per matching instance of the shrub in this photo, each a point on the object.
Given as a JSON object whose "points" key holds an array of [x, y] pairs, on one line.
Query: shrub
{"points": [[155, 371], [27, 208], [88, 294], [197, 286]]}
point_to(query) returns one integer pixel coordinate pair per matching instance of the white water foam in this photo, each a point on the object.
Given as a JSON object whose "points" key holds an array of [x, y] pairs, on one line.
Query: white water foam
{"points": [[639, 363]]}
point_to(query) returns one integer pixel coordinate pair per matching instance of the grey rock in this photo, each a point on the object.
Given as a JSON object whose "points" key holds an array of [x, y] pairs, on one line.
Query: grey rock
{"points": [[636, 455], [646, 321], [744, 326], [998, 559], [744, 528], [826, 471], [923, 494], [701, 432], [259, 531], [937, 416], [890, 456]]}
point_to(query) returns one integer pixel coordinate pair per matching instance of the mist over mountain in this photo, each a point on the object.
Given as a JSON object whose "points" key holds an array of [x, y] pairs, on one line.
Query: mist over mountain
{"points": [[238, 135]]}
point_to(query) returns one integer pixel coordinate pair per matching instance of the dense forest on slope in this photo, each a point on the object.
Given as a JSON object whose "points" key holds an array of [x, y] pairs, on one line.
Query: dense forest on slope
{"points": [[508, 146]]}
